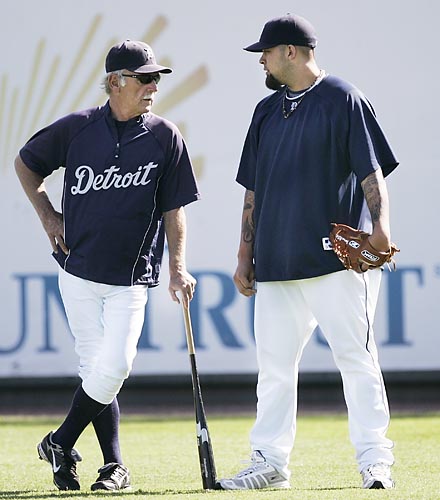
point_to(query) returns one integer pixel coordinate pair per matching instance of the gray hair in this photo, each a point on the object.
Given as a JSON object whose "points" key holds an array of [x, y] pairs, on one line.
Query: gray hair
{"points": [[105, 85]]}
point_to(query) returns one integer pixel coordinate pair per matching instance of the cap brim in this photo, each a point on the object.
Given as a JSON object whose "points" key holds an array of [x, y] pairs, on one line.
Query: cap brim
{"points": [[259, 47], [151, 68]]}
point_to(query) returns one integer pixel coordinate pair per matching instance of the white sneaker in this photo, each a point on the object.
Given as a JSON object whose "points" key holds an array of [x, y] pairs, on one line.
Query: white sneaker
{"points": [[259, 475], [377, 477]]}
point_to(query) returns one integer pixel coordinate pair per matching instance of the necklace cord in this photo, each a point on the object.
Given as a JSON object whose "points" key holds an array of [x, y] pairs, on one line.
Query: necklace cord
{"points": [[296, 101]]}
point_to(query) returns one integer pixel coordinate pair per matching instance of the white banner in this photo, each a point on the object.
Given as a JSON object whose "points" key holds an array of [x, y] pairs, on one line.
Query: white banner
{"points": [[52, 63]]}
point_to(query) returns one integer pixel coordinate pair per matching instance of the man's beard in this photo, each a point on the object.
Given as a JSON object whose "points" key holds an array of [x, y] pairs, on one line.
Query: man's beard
{"points": [[272, 83]]}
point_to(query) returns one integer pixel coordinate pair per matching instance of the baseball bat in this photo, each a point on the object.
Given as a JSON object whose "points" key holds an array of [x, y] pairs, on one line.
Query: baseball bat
{"points": [[206, 456]]}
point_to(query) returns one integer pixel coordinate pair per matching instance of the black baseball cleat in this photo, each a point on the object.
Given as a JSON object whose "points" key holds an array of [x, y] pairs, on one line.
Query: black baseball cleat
{"points": [[63, 462], [112, 477]]}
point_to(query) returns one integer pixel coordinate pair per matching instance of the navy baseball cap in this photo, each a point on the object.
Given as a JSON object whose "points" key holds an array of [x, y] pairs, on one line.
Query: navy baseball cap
{"points": [[133, 56], [287, 30]]}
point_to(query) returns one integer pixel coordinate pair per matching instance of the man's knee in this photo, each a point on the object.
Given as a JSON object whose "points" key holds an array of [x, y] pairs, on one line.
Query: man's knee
{"points": [[104, 387]]}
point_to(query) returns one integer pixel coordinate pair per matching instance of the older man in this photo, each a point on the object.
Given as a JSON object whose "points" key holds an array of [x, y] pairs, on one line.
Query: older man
{"points": [[127, 177]]}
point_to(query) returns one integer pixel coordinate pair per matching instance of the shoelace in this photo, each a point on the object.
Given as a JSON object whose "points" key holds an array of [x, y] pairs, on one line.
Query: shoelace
{"points": [[64, 460], [378, 469], [71, 465], [116, 474], [254, 464]]}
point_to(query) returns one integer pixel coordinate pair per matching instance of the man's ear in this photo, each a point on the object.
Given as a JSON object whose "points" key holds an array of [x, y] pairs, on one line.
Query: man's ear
{"points": [[291, 54], [114, 81]]}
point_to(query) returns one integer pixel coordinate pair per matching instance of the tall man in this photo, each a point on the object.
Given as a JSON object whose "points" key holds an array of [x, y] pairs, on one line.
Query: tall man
{"points": [[127, 178], [314, 154]]}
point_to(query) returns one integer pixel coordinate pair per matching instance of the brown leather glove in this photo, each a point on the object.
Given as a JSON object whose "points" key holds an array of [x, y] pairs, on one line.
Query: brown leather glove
{"points": [[352, 246]]}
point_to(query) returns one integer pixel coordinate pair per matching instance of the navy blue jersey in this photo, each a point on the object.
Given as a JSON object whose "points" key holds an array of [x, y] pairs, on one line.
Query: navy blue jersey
{"points": [[306, 172], [115, 191]]}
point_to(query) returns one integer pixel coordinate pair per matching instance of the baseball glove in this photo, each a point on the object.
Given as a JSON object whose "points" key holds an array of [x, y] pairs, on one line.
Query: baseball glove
{"points": [[352, 246]]}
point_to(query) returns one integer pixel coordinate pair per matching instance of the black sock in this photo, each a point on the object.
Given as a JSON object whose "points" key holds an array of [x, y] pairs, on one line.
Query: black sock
{"points": [[84, 409], [106, 426]]}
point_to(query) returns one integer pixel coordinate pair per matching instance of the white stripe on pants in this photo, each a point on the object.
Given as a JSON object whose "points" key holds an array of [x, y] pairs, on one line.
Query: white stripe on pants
{"points": [[286, 313], [106, 322]]}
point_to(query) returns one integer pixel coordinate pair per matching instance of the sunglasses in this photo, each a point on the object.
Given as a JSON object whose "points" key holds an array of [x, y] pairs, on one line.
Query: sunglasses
{"points": [[145, 79]]}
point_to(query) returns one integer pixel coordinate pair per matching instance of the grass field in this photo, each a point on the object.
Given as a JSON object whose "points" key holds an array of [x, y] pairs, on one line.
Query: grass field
{"points": [[162, 457]]}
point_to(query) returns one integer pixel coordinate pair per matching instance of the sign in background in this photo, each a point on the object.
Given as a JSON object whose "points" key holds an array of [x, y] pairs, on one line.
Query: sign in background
{"points": [[52, 63]]}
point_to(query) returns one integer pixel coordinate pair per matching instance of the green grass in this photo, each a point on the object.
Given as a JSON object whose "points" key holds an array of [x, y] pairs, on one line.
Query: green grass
{"points": [[162, 456]]}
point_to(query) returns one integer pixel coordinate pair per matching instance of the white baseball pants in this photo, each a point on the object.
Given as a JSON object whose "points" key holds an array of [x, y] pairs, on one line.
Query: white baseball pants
{"points": [[106, 322], [286, 313]]}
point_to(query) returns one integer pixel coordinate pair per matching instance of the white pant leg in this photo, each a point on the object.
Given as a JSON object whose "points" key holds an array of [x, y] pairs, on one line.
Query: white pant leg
{"points": [[83, 306], [344, 305], [283, 325], [106, 322]]}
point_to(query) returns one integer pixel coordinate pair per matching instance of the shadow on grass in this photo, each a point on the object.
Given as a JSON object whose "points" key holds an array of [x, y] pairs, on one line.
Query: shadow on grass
{"points": [[36, 495], [17, 495], [335, 488]]}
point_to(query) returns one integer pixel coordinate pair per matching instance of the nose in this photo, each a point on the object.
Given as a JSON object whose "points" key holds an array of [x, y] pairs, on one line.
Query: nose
{"points": [[152, 86], [261, 60]]}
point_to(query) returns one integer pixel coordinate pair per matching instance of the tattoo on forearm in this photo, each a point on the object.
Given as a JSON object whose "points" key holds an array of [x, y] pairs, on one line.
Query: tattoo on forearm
{"points": [[373, 197], [248, 224], [248, 232]]}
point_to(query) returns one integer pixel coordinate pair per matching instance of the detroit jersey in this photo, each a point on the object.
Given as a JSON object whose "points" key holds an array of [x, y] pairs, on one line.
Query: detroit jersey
{"points": [[115, 191], [306, 171]]}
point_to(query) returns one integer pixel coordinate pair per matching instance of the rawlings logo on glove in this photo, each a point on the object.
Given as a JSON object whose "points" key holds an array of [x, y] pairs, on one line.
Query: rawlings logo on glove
{"points": [[353, 248]]}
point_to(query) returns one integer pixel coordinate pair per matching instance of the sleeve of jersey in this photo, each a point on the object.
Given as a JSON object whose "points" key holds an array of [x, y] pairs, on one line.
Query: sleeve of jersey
{"points": [[248, 162], [368, 146], [45, 151], [178, 185]]}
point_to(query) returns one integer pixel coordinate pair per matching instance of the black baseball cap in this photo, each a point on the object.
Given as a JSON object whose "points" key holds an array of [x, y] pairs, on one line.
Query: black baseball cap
{"points": [[287, 30], [134, 56]]}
